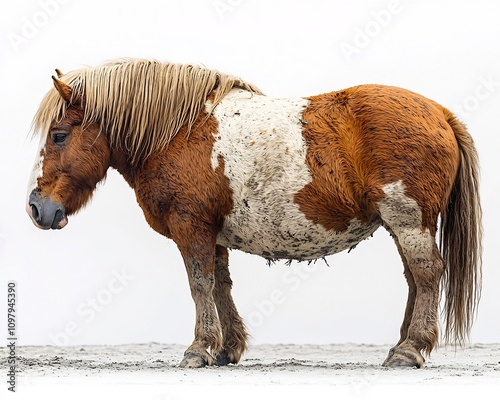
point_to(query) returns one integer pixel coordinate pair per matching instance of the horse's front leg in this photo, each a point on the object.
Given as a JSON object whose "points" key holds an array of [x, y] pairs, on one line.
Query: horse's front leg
{"points": [[197, 246], [234, 334]]}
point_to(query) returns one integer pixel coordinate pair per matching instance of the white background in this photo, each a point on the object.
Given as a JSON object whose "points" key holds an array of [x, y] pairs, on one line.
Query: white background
{"points": [[446, 50]]}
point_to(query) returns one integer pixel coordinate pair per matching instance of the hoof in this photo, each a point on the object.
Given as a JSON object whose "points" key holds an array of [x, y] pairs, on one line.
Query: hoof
{"points": [[401, 358], [193, 360], [222, 358]]}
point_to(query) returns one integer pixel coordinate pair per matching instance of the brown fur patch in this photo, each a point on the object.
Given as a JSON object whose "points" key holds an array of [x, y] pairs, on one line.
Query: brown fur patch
{"points": [[180, 180], [365, 137]]}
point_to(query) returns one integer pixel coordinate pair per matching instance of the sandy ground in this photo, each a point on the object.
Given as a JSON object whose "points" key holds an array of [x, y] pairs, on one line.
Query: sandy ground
{"points": [[149, 371]]}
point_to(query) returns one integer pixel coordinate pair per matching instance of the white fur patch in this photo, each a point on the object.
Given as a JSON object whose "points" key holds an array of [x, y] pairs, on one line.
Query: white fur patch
{"points": [[37, 171], [260, 139], [404, 217]]}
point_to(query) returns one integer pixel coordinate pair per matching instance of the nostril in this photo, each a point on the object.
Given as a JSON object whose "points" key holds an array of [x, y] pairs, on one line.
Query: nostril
{"points": [[57, 218], [35, 212]]}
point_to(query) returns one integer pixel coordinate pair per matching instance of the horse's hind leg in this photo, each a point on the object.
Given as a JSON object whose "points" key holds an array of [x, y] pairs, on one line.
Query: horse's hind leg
{"points": [[412, 293], [403, 217], [419, 331], [234, 334]]}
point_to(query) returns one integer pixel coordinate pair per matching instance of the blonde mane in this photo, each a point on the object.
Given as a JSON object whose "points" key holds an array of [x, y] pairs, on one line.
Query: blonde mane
{"points": [[140, 104]]}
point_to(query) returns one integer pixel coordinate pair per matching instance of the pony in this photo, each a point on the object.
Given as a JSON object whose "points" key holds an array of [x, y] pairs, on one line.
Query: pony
{"points": [[217, 165]]}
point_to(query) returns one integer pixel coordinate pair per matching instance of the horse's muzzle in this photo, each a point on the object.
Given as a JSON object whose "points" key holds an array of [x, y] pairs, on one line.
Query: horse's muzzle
{"points": [[45, 213]]}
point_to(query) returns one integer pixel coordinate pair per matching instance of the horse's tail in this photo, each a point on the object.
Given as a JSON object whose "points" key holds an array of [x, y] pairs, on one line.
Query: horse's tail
{"points": [[460, 240]]}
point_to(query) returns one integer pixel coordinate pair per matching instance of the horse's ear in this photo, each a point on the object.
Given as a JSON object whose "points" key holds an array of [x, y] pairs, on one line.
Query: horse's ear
{"points": [[59, 73], [64, 90]]}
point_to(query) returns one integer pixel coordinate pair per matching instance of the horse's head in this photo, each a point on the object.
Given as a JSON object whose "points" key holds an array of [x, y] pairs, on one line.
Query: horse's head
{"points": [[71, 160]]}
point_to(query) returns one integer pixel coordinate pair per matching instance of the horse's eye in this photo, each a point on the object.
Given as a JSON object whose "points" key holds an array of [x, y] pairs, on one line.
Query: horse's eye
{"points": [[59, 137]]}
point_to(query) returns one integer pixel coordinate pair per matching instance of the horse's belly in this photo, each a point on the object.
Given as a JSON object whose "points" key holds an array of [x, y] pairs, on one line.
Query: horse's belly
{"points": [[264, 153], [291, 237]]}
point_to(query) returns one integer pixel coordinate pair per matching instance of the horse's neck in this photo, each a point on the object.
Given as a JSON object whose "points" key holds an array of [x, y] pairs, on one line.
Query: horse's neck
{"points": [[120, 162]]}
